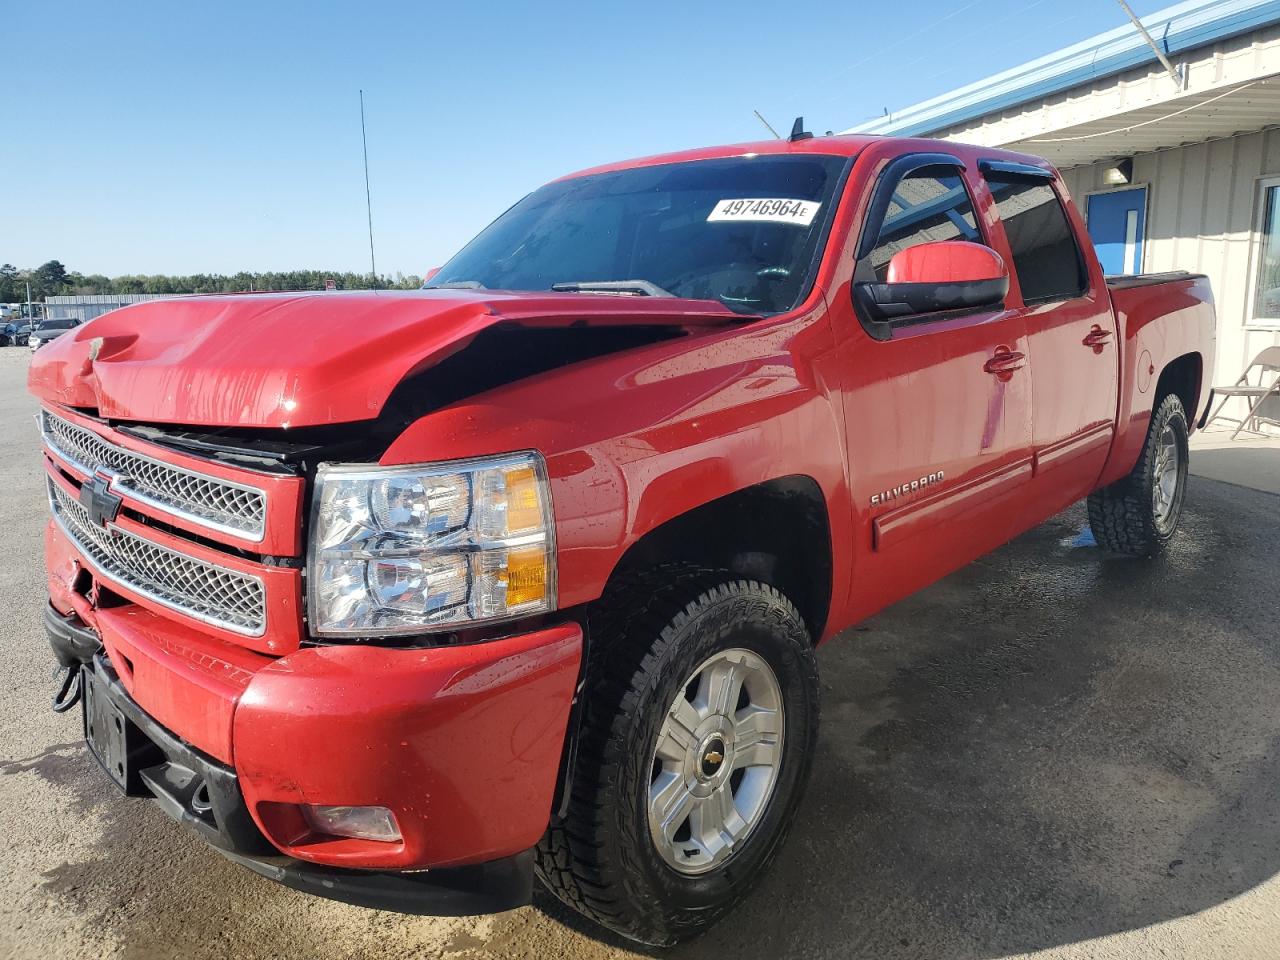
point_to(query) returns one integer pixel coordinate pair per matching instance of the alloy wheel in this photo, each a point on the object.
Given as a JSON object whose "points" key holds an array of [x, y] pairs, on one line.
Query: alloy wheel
{"points": [[716, 761]]}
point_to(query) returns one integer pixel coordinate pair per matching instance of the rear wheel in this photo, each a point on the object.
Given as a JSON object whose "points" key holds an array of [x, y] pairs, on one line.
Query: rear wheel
{"points": [[1139, 514], [700, 717]]}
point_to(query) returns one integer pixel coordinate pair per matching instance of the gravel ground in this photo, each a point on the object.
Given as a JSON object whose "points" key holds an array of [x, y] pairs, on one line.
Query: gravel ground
{"points": [[1051, 750]]}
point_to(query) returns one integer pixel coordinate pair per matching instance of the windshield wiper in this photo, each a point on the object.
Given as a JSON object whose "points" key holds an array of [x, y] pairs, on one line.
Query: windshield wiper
{"points": [[456, 285], [632, 288]]}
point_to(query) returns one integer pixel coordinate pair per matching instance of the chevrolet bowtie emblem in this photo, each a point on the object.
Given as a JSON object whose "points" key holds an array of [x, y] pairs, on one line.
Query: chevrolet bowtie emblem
{"points": [[98, 501], [713, 758]]}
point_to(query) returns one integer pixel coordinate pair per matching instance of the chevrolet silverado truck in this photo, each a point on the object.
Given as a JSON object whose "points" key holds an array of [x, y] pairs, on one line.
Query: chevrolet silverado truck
{"points": [[528, 579]]}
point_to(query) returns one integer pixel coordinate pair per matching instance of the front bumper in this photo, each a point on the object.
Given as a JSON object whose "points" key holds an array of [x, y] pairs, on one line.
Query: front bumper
{"points": [[320, 735]]}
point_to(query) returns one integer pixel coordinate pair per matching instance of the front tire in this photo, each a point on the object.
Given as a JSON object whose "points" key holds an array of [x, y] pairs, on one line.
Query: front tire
{"points": [[1139, 514], [699, 725]]}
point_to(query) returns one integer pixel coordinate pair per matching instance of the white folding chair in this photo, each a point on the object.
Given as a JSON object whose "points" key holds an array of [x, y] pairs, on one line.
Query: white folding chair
{"points": [[1265, 392]]}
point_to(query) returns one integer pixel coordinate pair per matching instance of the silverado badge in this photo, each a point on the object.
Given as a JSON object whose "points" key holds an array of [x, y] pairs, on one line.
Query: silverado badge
{"points": [[906, 487]]}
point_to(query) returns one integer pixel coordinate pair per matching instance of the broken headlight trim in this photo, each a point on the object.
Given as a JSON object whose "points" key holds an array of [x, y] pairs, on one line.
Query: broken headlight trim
{"points": [[405, 550]]}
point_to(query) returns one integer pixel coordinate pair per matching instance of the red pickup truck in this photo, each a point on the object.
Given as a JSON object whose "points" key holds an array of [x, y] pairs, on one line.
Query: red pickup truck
{"points": [[528, 578]]}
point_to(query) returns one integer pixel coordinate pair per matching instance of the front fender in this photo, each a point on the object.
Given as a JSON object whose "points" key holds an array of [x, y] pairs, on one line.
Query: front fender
{"points": [[636, 439]]}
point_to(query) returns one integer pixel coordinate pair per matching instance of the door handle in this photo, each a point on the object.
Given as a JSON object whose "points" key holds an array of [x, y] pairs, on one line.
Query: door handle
{"points": [[1005, 362], [1096, 337]]}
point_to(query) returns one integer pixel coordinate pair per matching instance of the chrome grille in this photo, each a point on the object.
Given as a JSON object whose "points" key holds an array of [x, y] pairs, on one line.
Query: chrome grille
{"points": [[213, 594], [217, 504]]}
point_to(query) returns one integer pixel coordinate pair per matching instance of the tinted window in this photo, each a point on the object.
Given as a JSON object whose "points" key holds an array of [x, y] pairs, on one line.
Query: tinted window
{"points": [[743, 230], [57, 325], [1045, 256], [923, 209]]}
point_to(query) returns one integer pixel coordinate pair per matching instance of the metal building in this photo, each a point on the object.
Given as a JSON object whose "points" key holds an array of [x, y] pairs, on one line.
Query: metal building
{"points": [[1171, 149], [87, 307]]}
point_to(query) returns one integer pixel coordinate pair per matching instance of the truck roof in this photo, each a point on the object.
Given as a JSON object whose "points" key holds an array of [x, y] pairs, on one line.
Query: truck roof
{"points": [[843, 145]]}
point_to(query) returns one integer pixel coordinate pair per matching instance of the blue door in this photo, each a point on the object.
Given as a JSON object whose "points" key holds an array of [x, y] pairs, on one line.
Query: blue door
{"points": [[1117, 224]]}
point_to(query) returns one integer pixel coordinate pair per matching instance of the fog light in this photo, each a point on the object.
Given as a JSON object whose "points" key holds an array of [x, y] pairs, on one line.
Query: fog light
{"points": [[361, 823]]}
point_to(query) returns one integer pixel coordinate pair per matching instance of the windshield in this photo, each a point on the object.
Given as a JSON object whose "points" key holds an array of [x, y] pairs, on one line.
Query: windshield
{"points": [[57, 325], [744, 231]]}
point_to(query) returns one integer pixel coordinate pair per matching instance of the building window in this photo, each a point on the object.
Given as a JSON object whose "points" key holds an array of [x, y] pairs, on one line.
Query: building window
{"points": [[1266, 287], [1045, 255]]}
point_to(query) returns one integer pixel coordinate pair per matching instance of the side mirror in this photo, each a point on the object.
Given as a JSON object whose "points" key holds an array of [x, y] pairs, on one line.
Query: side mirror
{"points": [[933, 277]]}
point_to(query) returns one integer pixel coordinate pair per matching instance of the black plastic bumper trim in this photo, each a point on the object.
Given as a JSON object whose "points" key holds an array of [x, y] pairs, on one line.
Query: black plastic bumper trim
{"points": [[1204, 417], [490, 887], [73, 643]]}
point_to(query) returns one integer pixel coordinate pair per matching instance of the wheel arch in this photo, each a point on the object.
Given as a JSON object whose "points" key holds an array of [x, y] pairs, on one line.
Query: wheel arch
{"points": [[777, 531], [1183, 376]]}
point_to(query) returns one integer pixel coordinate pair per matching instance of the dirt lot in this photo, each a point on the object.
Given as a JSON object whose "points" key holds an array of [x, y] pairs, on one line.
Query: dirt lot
{"points": [[1049, 751]]}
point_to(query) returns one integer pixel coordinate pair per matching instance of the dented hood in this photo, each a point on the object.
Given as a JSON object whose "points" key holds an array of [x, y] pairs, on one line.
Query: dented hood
{"points": [[294, 360]]}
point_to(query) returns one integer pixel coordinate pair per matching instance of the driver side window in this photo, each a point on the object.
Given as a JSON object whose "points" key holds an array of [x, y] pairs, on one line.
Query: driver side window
{"points": [[923, 209]]}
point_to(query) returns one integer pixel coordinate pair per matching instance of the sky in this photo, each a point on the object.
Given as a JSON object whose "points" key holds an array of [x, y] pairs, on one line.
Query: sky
{"points": [[211, 138]]}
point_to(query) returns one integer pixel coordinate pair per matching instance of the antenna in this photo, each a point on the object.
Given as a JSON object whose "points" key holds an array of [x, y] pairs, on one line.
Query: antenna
{"points": [[776, 134], [368, 203], [798, 132], [1176, 75]]}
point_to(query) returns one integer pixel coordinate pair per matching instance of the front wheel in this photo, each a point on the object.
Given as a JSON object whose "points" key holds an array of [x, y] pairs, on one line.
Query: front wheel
{"points": [[700, 719], [1139, 514]]}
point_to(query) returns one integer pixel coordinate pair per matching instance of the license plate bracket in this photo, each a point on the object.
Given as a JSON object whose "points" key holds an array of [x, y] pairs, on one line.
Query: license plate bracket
{"points": [[105, 728], [116, 742]]}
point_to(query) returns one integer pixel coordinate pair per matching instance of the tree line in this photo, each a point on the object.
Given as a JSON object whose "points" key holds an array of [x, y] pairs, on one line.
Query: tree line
{"points": [[53, 279]]}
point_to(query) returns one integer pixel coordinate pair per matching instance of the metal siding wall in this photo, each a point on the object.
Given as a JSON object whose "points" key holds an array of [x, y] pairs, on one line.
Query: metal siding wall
{"points": [[1054, 78], [1138, 95], [1201, 204]]}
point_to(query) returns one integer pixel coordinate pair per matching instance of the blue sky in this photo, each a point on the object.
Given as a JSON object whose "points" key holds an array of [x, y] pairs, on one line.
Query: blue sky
{"points": [[176, 138]]}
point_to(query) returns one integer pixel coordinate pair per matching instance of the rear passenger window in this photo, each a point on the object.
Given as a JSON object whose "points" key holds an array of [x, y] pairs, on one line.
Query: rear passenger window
{"points": [[1046, 257], [923, 209]]}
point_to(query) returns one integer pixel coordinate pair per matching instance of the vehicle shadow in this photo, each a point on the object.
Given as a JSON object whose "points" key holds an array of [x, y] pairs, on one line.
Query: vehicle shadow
{"points": [[1047, 747]]}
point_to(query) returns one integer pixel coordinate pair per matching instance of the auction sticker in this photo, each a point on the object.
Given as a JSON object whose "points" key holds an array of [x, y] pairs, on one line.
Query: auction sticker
{"points": [[799, 212]]}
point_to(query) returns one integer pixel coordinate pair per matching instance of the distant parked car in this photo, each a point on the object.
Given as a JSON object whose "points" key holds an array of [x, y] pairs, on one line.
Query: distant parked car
{"points": [[49, 330], [15, 332]]}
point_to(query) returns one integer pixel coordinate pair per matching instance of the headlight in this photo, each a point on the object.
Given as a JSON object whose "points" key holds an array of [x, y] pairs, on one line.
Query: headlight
{"points": [[411, 549]]}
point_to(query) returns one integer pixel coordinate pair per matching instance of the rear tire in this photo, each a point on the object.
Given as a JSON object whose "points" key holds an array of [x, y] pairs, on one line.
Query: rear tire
{"points": [[685, 671], [1138, 515]]}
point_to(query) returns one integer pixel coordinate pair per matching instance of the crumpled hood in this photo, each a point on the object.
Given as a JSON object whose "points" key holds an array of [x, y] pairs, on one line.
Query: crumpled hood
{"points": [[293, 360]]}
